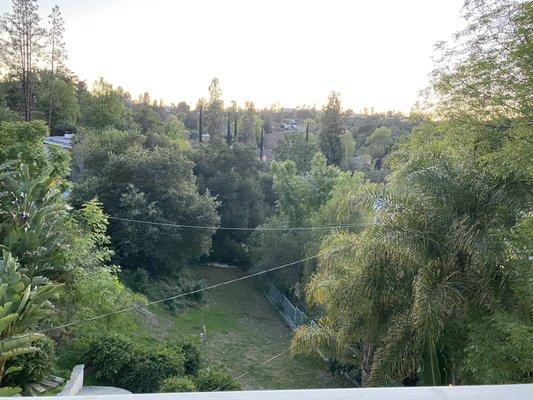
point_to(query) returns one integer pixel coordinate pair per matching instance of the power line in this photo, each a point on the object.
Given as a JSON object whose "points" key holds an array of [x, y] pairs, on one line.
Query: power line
{"points": [[171, 225], [137, 307], [253, 367]]}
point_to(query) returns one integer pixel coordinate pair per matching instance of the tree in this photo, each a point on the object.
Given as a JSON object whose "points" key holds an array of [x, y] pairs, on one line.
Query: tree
{"points": [[145, 116], [214, 116], [134, 180], [415, 295], [22, 143], [236, 178], [105, 107], [378, 144], [21, 47], [56, 53], [331, 129], [301, 198], [247, 131], [57, 99], [200, 106], [295, 146]]}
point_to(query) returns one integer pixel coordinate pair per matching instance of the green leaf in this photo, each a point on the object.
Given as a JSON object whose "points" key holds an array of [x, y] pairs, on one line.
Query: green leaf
{"points": [[9, 391]]}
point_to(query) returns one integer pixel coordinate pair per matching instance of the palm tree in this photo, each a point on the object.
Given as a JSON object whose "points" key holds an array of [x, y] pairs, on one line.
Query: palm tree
{"points": [[395, 296]]}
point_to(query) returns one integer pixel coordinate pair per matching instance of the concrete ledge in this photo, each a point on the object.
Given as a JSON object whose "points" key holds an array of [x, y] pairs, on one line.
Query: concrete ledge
{"points": [[488, 392], [75, 383]]}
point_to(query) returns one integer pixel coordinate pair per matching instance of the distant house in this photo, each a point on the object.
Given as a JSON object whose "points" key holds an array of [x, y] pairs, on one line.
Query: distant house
{"points": [[291, 125], [62, 141]]}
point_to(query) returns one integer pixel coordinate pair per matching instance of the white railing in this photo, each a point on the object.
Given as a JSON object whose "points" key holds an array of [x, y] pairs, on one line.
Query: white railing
{"points": [[489, 392]]}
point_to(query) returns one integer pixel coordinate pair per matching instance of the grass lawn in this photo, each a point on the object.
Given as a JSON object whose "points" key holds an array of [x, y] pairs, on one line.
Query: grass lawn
{"points": [[243, 330]]}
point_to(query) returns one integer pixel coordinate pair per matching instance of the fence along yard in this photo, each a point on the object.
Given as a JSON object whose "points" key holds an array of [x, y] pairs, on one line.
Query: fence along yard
{"points": [[243, 330]]}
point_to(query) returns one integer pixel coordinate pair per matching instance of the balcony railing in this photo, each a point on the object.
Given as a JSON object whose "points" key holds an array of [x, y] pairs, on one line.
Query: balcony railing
{"points": [[489, 392]]}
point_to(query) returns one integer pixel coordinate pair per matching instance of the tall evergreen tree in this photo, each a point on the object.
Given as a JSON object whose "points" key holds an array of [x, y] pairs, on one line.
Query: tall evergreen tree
{"points": [[228, 131], [247, 135], [329, 139], [21, 47], [214, 118], [200, 107], [56, 53]]}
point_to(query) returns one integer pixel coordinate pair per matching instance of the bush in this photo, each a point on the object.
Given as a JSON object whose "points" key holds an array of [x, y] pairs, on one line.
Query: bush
{"points": [[139, 280], [34, 366], [108, 356], [191, 354], [175, 384], [229, 251], [210, 380], [148, 370]]}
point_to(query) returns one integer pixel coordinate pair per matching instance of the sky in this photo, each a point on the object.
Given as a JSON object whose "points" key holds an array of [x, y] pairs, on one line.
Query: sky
{"points": [[375, 53]]}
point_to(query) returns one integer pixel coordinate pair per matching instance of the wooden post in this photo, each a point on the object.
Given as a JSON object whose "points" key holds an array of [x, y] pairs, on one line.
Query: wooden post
{"points": [[307, 132]]}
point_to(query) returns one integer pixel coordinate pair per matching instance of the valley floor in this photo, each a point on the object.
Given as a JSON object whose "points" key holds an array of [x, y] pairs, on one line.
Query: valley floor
{"points": [[243, 330]]}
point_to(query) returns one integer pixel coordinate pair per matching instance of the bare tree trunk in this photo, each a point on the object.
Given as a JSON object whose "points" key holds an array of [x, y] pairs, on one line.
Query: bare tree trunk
{"points": [[52, 80], [366, 363]]}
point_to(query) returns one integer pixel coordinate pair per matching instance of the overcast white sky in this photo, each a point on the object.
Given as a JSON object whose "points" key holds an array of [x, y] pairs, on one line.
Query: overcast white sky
{"points": [[376, 53]]}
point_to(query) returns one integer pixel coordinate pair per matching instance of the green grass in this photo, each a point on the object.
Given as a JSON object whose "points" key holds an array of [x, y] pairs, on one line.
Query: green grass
{"points": [[243, 330]]}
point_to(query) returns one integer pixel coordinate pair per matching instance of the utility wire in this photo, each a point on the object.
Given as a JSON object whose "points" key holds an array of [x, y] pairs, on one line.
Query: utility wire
{"points": [[300, 228], [137, 307], [252, 368]]}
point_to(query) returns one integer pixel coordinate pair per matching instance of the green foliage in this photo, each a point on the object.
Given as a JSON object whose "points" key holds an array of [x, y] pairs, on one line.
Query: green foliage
{"points": [[250, 126], [23, 142], [176, 385], [97, 291], [235, 176], [499, 350], [115, 360], [378, 143], [109, 357], [294, 147], [331, 130], [105, 107], [32, 367], [144, 115], [214, 112], [62, 92], [212, 379], [34, 221], [148, 369], [191, 353], [24, 302], [302, 198], [174, 129], [155, 184], [437, 289]]}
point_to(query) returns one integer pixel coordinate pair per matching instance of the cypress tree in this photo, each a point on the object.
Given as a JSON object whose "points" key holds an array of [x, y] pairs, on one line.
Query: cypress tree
{"points": [[235, 126], [261, 145], [200, 123], [228, 132], [307, 132]]}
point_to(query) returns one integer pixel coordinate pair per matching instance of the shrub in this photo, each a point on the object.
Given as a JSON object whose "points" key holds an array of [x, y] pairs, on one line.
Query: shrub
{"points": [[148, 370], [34, 366], [139, 280], [175, 384], [108, 356], [210, 380], [191, 354]]}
